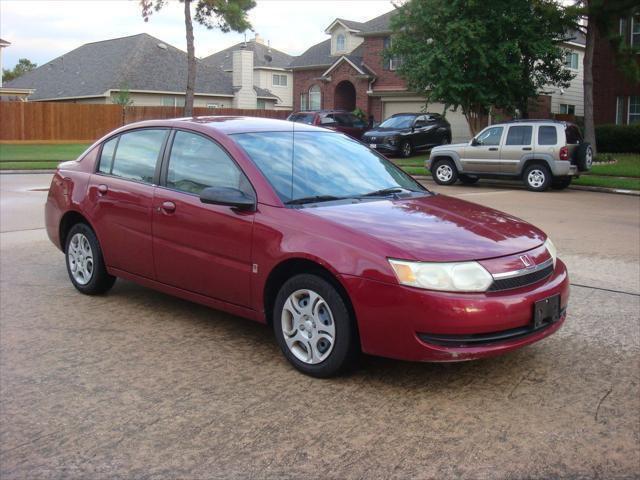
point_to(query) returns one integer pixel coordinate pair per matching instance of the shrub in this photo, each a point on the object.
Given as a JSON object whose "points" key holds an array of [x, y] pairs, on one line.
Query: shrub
{"points": [[618, 138]]}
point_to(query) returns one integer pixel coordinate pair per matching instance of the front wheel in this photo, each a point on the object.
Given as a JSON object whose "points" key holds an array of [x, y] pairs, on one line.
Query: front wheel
{"points": [[314, 327], [85, 264], [537, 177], [444, 172]]}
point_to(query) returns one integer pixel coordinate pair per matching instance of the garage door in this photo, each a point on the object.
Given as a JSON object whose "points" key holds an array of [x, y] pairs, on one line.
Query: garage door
{"points": [[459, 126]]}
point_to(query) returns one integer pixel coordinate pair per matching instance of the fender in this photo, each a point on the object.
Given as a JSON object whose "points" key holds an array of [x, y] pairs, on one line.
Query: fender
{"points": [[444, 152], [538, 157]]}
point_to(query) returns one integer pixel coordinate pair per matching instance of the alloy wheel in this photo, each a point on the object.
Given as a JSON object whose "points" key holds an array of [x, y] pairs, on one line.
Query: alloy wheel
{"points": [[80, 257], [536, 178], [444, 173], [308, 326], [589, 158]]}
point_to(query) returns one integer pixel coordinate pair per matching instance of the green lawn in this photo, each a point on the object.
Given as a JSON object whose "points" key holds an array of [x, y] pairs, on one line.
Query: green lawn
{"points": [[628, 165], [626, 183], [44, 152]]}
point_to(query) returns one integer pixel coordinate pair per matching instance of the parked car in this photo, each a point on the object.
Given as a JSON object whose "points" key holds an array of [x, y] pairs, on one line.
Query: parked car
{"points": [[542, 153], [338, 120], [247, 216], [405, 133]]}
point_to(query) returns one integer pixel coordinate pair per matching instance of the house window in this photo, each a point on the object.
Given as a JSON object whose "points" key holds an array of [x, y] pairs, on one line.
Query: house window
{"points": [[394, 62], [340, 43], [619, 110], [304, 101], [279, 80], [168, 101], [261, 105], [635, 31], [567, 109], [571, 60], [634, 109], [314, 98]]}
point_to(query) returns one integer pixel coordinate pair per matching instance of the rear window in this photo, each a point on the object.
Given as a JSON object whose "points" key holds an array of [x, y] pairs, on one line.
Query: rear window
{"points": [[547, 136], [520, 135], [573, 135], [303, 118], [137, 154], [106, 157]]}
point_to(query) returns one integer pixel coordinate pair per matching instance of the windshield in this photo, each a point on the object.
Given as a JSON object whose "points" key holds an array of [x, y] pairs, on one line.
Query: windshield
{"points": [[401, 121], [318, 164]]}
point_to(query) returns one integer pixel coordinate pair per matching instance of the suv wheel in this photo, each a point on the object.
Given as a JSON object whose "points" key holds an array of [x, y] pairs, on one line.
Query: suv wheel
{"points": [[444, 172], [314, 327], [445, 140], [405, 149], [584, 157], [537, 177], [85, 264]]}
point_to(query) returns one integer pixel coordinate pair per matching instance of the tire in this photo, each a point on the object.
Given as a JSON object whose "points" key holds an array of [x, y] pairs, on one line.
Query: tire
{"points": [[444, 172], [319, 337], [446, 139], [537, 177], [85, 264], [406, 150], [467, 180], [583, 156], [560, 183]]}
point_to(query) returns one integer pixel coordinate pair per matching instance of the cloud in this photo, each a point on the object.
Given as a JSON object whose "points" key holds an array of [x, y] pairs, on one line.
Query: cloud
{"points": [[43, 30]]}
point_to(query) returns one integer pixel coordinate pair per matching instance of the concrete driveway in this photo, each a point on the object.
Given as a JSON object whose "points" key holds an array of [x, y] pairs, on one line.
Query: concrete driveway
{"points": [[137, 384]]}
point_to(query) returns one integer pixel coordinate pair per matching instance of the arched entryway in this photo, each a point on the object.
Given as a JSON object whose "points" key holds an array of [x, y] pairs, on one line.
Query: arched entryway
{"points": [[345, 96]]}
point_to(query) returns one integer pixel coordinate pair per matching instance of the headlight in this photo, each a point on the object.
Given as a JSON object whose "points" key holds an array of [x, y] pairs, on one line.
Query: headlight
{"points": [[551, 248], [393, 140], [450, 277]]}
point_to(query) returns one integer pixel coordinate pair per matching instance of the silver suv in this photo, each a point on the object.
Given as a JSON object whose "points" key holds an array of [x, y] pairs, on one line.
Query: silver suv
{"points": [[542, 153]]}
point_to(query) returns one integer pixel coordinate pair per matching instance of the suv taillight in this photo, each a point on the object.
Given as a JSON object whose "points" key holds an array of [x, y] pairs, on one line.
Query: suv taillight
{"points": [[564, 153]]}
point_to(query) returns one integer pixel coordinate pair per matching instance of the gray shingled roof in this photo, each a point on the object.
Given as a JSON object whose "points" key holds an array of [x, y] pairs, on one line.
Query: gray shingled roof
{"points": [[138, 62], [320, 53], [263, 56]]}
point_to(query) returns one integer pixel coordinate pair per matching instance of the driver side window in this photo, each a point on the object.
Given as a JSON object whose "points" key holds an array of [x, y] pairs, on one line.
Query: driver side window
{"points": [[490, 136]]}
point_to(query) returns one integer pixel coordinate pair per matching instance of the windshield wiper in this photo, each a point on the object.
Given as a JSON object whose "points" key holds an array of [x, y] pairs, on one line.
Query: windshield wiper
{"points": [[313, 199], [387, 191]]}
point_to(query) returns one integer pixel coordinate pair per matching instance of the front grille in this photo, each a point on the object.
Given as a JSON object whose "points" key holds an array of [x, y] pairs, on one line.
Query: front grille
{"points": [[477, 339], [521, 280]]}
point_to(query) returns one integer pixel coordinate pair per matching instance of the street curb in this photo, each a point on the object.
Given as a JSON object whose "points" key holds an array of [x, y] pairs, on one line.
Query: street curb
{"points": [[586, 188], [11, 172]]}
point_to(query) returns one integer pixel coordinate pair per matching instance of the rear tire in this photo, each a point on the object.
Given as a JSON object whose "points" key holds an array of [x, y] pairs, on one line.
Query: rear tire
{"points": [[537, 177], [560, 183], [406, 149], [444, 172], [467, 180], [314, 327], [85, 264]]}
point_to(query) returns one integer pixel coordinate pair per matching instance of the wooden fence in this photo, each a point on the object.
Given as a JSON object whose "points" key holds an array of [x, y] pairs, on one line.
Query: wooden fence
{"points": [[64, 122]]}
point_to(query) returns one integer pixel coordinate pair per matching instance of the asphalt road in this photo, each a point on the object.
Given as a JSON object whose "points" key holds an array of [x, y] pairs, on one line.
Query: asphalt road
{"points": [[137, 384]]}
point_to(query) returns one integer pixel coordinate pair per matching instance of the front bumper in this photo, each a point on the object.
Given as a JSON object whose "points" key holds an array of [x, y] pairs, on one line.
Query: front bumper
{"points": [[402, 322], [382, 147]]}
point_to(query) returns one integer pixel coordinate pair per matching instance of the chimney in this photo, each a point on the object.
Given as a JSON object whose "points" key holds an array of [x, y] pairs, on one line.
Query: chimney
{"points": [[242, 65], [258, 39]]}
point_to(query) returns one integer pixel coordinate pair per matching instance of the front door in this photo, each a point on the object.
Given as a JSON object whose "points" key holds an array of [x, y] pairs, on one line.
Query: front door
{"points": [[121, 194], [517, 144], [200, 247], [483, 155]]}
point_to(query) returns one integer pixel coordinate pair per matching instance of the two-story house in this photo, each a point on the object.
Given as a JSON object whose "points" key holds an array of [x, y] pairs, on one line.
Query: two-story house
{"points": [[570, 100]]}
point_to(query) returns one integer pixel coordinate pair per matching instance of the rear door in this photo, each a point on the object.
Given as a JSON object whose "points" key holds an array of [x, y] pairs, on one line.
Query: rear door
{"points": [[518, 143], [200, 247], [483, 157], [121, 195]]}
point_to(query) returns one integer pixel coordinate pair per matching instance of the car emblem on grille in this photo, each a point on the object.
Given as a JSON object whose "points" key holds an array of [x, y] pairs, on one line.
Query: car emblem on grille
{"points": [[526, 261]]}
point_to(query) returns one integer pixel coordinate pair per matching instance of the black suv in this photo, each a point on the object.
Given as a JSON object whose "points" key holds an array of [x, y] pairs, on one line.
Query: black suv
{"points": [[404, 133]]}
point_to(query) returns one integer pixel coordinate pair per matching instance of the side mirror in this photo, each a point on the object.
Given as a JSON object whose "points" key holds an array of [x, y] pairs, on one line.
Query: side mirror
{"points": [[231, 197], [327, 122], [475, 142]]}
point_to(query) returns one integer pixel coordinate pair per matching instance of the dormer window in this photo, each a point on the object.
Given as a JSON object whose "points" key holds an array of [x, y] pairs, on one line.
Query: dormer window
{"points": [[340, 43]]}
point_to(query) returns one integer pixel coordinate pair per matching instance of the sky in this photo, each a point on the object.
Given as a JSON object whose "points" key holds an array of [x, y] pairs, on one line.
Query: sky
{"points": [[41, 30]]}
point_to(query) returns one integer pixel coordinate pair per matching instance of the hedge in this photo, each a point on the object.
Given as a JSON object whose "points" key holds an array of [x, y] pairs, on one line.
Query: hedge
{"points": [[618, 138]]}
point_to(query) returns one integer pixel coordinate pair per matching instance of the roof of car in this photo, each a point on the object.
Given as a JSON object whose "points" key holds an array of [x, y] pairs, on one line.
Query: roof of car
{"points": [[231, 124], [536, 120]]}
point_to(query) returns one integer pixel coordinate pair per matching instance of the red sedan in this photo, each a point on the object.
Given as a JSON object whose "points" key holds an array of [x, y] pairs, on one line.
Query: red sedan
{"points": [[310, 232]]}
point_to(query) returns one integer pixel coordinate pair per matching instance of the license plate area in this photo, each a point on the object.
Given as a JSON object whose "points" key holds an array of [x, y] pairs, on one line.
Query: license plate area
{"points": [[546, 311]]}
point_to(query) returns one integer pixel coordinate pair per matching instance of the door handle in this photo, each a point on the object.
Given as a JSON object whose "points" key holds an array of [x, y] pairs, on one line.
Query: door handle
{"points": [[526, 148], [493, 149], [102, 189], [169, 207]]}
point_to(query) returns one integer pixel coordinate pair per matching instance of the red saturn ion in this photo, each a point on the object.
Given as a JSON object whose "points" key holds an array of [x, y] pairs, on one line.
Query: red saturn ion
{"points": [[309, 231]]}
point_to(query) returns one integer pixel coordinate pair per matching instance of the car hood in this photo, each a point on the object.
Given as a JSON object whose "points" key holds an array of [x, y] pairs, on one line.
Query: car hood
{"points": [[449, 147], [434, 228]]}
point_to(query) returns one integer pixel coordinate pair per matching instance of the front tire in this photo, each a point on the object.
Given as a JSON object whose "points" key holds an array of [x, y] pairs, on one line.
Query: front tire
{"points": [[314, 327], [444, 172], [85, 264], [537, 177]]}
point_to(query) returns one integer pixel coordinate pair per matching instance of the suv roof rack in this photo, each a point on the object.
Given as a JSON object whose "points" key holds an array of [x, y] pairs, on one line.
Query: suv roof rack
{"points": [[536, 120]]}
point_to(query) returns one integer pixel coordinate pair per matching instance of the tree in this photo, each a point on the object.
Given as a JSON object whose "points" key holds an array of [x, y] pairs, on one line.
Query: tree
{"points": [[23, 66], [465, 55], [600, 19], [123, 97], [226, 15]]}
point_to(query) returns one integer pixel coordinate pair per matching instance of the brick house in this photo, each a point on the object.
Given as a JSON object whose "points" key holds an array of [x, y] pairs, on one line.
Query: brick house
{"points": [[615, 98]]}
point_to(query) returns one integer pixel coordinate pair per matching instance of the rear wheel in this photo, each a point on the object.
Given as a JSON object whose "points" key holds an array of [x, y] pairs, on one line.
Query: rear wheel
{"points": [[444, 172], [406, 149], [467, 180], [537, 177], [560, 183], [85, 264], [445, 140], [314, 327]]}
